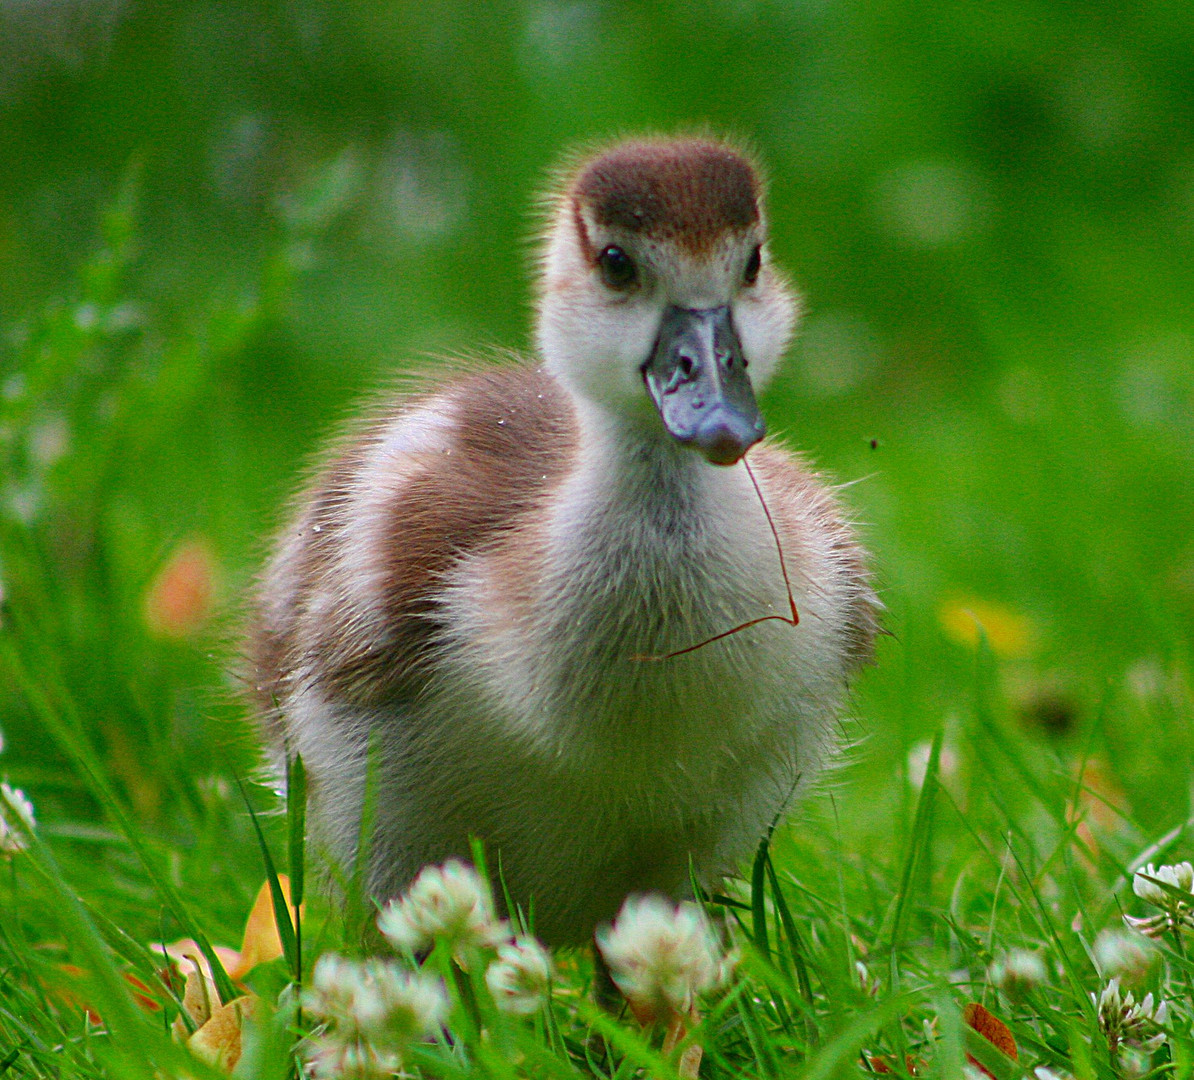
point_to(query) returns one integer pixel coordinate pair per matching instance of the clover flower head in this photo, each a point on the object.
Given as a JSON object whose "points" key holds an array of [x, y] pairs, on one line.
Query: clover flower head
{"points": [[1123, 1020], [518, 979], [14, 808], [1176, 913], [1179, 875], [375, 1002], [662, 955], [1018, 971], [333, 1058], [451, 902], [1127, 957]]}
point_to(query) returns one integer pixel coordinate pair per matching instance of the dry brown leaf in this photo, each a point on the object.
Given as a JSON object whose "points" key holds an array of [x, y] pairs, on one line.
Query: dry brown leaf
{"points": [[879, 1063], [991, 1028]]}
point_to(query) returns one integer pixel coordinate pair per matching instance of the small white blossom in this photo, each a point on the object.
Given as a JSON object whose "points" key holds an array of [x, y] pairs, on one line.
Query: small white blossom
{"points": [[1180, 876], [1124, 956], [1176, 913], [662, 955], [332, 1058], [375, 1002], [1124, 1021], [1018, 971], [518, 979], [14, 808], [450, 902]]}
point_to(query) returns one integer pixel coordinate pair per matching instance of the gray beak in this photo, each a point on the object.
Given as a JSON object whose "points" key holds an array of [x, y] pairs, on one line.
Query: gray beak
{"points": [[697, 378]]}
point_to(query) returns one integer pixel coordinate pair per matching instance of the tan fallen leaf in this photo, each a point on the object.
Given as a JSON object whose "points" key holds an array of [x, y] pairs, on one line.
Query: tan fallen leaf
{"points": [[261, 942], [219, 1040]]}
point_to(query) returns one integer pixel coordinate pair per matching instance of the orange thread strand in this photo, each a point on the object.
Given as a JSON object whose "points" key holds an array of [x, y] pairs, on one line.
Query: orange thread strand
{"points": [[783, 566]]}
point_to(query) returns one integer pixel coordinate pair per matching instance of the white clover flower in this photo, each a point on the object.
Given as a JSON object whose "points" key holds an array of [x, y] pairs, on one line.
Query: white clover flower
{"points": [[1176, 913], [1124, 1021], [333, 989], [332, 1058], [1180, 876], [1127, 957], [375, 1002], [662, 955], [1018, 971], [518, 979], [14, 807], [450, 902]]}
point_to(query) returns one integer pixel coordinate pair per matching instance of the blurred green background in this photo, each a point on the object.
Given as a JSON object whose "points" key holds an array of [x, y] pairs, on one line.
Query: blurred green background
{"points": [[223, 222]]}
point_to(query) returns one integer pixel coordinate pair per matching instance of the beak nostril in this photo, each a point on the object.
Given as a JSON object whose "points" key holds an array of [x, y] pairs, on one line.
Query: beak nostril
{"points": [[687, 365]]}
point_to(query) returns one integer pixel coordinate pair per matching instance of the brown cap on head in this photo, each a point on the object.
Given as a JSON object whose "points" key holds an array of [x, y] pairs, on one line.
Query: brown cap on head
{"points": [[689, 190]]}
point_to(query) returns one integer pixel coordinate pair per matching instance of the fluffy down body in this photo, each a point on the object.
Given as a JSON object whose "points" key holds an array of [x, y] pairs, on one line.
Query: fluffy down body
{"points": [[475, 591]]}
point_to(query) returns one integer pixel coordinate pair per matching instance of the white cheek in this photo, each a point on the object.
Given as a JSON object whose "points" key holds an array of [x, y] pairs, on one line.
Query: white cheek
{"points": [[598, 348], [764, 323]]}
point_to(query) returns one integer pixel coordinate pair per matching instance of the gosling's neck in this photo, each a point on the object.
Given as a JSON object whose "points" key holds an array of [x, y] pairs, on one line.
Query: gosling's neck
{"points": [[635, 487]]}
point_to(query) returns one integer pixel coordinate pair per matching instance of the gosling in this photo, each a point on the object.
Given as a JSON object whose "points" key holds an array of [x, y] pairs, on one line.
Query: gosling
{"points": [[494, 587]]}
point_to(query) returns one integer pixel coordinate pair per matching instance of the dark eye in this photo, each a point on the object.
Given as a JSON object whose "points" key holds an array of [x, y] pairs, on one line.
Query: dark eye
{"points": [[751, 274], [617, 268]]}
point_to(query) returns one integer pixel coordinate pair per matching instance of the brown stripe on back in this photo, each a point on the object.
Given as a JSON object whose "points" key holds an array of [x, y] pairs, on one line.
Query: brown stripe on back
{"points": [[690, 190], [513, 440], [276, 630]]}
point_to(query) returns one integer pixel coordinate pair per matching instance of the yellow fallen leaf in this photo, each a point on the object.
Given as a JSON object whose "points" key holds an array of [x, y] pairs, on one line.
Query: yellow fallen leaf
{"points": [[1010, 633], [199, 998], [218, 1041], [261, 943]]}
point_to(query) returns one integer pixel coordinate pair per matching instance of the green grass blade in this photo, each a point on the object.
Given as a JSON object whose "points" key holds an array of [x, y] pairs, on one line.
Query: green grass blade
{"points": [[631, 1045], [296, 825], [75, 745], [796, 953], [296, 849], [835, 1058], [758, 899], [917, 843], [106, 989], [281, 911]]}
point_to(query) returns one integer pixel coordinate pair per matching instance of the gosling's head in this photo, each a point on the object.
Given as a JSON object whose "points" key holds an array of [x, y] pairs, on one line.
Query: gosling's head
{"points": [[659, 303]]}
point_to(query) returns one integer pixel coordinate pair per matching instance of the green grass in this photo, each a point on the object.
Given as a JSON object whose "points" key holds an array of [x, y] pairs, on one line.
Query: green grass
{"points": [[1054, 760]]}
